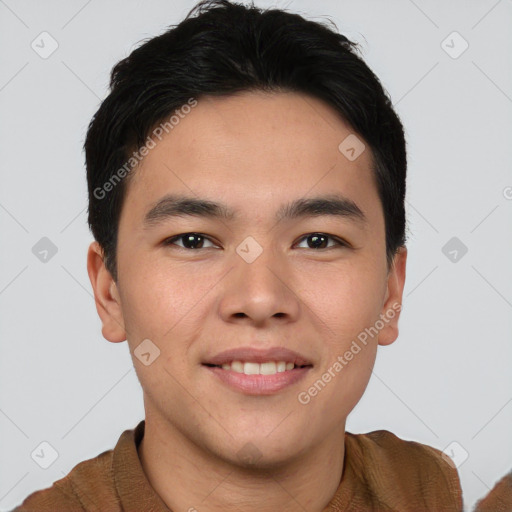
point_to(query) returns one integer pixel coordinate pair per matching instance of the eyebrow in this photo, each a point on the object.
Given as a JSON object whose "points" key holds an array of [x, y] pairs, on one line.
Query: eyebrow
{"points": [[173, 206]]}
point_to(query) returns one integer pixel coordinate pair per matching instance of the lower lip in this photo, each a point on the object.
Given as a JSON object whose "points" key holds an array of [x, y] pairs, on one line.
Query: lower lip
{"points": [[259, 384]]}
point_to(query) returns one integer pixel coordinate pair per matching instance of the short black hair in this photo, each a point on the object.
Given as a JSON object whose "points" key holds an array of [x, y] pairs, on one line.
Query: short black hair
{"points": [[222, 48]]}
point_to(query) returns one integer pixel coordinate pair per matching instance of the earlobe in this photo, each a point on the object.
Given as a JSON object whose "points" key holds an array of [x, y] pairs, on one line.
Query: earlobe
{"points": [[393, 302], [106, 295]]}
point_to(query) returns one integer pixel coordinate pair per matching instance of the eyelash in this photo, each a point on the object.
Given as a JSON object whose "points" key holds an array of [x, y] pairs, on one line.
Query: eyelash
{"points": [[338, 241]]}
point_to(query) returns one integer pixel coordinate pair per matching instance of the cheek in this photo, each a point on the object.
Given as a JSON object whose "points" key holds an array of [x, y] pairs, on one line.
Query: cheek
{"points": [[165, 303], [345, 300], [159, 307], [153, 300]]}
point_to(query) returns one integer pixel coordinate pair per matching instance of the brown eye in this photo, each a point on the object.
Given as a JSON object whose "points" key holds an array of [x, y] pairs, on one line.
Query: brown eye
{"points": [[189, 241], [320, 241]]}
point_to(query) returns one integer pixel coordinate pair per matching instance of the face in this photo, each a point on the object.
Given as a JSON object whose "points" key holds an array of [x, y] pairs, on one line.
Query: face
{"points": [[284, 285]]}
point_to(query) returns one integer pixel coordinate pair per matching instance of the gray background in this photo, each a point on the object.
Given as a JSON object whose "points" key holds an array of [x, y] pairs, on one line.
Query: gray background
{"points": [[446, 379]]}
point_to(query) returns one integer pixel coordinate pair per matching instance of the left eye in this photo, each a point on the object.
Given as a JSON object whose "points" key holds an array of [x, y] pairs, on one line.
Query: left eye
{"points": [[318, 240], [197, 240]]}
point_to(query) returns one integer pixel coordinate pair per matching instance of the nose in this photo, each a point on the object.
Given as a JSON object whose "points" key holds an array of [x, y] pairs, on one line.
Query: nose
{"points": [[260, 292]]}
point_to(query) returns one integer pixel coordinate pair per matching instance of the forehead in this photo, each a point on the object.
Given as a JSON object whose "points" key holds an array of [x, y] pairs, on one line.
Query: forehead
{"points": [[252, 150]]}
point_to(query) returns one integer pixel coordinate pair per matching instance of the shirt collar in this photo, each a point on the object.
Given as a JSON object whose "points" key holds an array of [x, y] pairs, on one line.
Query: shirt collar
{"points": [[134, 490], [136, 493]]}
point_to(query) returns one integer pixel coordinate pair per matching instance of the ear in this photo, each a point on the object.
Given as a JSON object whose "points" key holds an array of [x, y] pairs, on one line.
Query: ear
{"points": [[106, 295], [393, 301]]}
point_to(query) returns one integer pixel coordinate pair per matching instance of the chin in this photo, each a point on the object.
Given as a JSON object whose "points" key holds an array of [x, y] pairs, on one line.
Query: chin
{"points": [[262, 452]]}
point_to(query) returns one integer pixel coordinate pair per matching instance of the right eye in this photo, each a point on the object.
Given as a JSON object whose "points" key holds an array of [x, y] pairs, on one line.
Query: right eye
{"points": [[190, 240]]}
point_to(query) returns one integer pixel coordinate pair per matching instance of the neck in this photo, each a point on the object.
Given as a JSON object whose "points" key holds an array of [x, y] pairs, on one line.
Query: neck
{"points": [[189, 478]]}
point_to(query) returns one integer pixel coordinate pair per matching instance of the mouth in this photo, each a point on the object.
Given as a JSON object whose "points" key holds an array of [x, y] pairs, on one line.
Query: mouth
{"points": [[253, 368], [256, 371]]}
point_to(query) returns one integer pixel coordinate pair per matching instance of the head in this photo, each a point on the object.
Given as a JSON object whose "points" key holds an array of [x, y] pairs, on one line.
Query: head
{"points": [[268, 142]]}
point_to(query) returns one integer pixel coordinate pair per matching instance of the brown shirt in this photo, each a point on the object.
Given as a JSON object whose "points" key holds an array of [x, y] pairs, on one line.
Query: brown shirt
{"points": [[499, 498], [381, 473]]}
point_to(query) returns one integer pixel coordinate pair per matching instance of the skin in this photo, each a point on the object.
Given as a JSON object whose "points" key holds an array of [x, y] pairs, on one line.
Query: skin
{"points": [[253, 151]]}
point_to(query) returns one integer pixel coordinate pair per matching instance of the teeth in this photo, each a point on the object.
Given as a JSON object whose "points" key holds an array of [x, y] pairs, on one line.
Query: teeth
{"points": [[267, 368], [237, 366], [249, 368]]}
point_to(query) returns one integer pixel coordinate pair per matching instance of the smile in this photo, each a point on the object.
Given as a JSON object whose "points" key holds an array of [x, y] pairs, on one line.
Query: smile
{"points": [[251, 368], [250, 378]]}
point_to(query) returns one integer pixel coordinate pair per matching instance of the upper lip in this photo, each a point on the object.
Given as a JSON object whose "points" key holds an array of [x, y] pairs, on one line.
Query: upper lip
{"points": [[258, 355]]}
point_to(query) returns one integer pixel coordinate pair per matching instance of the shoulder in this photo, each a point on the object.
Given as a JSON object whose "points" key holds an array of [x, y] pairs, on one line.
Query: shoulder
{"points": [[404, 471], [499, 498], [89, 484]]}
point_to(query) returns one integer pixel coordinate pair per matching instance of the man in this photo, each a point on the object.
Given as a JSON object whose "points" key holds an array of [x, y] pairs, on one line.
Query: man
{"points": [[246, 194]]}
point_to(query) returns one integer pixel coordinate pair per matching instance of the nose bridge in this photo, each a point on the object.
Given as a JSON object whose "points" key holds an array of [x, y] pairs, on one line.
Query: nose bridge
{"points": [[258, 266], [258, 285]]}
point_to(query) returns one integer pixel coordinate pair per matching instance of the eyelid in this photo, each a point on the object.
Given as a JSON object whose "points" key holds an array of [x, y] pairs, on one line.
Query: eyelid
{"points": [[340, 242], [170, 240]]}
